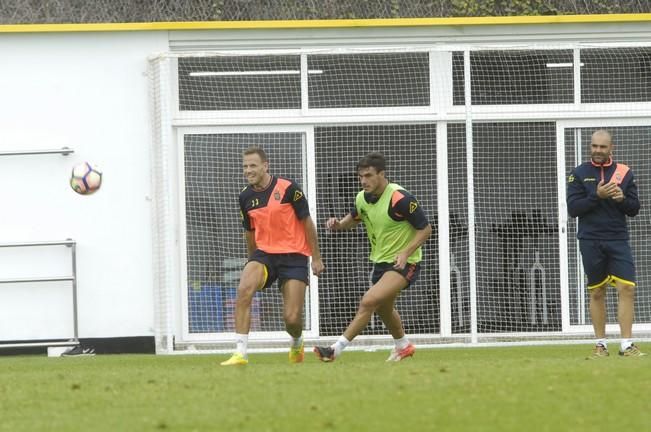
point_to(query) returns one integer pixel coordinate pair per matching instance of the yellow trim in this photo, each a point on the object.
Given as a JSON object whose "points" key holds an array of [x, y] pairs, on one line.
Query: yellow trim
{"points": [[620, 280], [264, 279], [313, 24], [610, 280], [600, 284]]}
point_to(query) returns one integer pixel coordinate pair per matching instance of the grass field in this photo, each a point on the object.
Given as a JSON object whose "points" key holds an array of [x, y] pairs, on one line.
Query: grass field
{"points": [[548, 388]]}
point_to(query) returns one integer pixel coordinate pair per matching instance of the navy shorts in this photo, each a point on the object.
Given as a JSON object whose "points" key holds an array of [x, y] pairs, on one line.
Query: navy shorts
{"points": [[410, 272], [282, 267], [607, 261]]}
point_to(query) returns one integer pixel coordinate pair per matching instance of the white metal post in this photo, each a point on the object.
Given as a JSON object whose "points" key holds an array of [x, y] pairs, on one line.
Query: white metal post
{"points": [[562, 227], [442, 203], [472, 268], [312, 309]]}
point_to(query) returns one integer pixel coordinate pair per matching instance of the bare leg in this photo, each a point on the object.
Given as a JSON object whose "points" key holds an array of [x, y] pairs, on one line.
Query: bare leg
{"points": [[625, 309], [391, 319], [293, 298], [383, 293], [598, 311], [251, 280]]}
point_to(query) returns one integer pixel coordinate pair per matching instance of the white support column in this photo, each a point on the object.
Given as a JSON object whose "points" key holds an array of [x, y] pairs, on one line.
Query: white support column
{"points": [[471, 199], [562, 227], [305, 98], [164, 214], [577, 76], [312, 309], [442, 202], [441, 81], [579, 276]]}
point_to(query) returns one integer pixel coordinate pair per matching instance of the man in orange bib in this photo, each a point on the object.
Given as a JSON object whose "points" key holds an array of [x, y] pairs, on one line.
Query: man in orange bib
{"points": [[280, 238]]}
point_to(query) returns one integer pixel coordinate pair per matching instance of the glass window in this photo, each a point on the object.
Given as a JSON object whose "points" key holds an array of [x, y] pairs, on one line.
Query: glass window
{"points": [[216, 252], [633, 148], [368, 80], [516, 232], [239, 83], [516, 77], [616, 75], [410, 151]]}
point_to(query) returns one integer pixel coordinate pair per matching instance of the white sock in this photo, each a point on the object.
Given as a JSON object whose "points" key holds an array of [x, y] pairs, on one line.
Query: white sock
{"points": [[296, 342], [602, 342], [625, 344], [340, 345], [242, 340], [401, 343]]}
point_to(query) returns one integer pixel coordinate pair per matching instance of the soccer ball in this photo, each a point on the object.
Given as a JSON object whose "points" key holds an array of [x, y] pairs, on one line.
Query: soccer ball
{"points": [[86, 178]]}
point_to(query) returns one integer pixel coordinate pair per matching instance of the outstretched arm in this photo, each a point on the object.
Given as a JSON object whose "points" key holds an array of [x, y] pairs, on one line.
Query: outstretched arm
{"points": [[348, 222]]}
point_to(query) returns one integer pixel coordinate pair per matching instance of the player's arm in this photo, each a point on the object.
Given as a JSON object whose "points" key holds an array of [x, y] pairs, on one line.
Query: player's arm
{"points": [[348, 222], [579, 202], [312, 240], [627, 200], [302, 210], [407, 208], [249, 232], [421, 237], [249, 237]]}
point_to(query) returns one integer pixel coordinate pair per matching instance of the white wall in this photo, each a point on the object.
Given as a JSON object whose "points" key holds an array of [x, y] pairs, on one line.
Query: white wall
{"points": [[87, 91]]}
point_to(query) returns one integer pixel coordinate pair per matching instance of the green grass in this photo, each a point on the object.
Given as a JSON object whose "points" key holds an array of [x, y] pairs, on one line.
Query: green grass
{"points": [[550, 388]]}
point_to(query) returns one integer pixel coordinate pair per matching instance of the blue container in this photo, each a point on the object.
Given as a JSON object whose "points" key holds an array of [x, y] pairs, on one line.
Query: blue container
{"points": [[205, 308], [229, 296]]}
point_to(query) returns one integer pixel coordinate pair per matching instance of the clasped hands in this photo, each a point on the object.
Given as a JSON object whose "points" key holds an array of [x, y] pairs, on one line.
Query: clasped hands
{"points": [[610, 190]]}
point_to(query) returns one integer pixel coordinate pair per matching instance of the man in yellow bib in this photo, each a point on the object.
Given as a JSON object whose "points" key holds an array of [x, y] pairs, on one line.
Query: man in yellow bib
{"points": [[397, 227]]}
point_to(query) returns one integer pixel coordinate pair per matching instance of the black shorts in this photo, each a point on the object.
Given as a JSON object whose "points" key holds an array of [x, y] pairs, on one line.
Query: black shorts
{"points": [[607, 261], [282, 267], [410, 272]]}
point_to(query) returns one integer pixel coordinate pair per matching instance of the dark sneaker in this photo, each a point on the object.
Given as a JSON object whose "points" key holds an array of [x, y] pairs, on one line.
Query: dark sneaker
{"points": [[78, 351], [325, 354], [632, 351], [598, 351]]}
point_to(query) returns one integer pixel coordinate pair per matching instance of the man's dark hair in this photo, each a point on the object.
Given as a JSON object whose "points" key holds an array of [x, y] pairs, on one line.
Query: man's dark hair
{"points": [[373, 160], [258, 151]]}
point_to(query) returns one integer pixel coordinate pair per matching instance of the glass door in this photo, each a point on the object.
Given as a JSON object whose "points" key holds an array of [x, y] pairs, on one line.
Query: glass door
{"points": [[214, 250]]}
